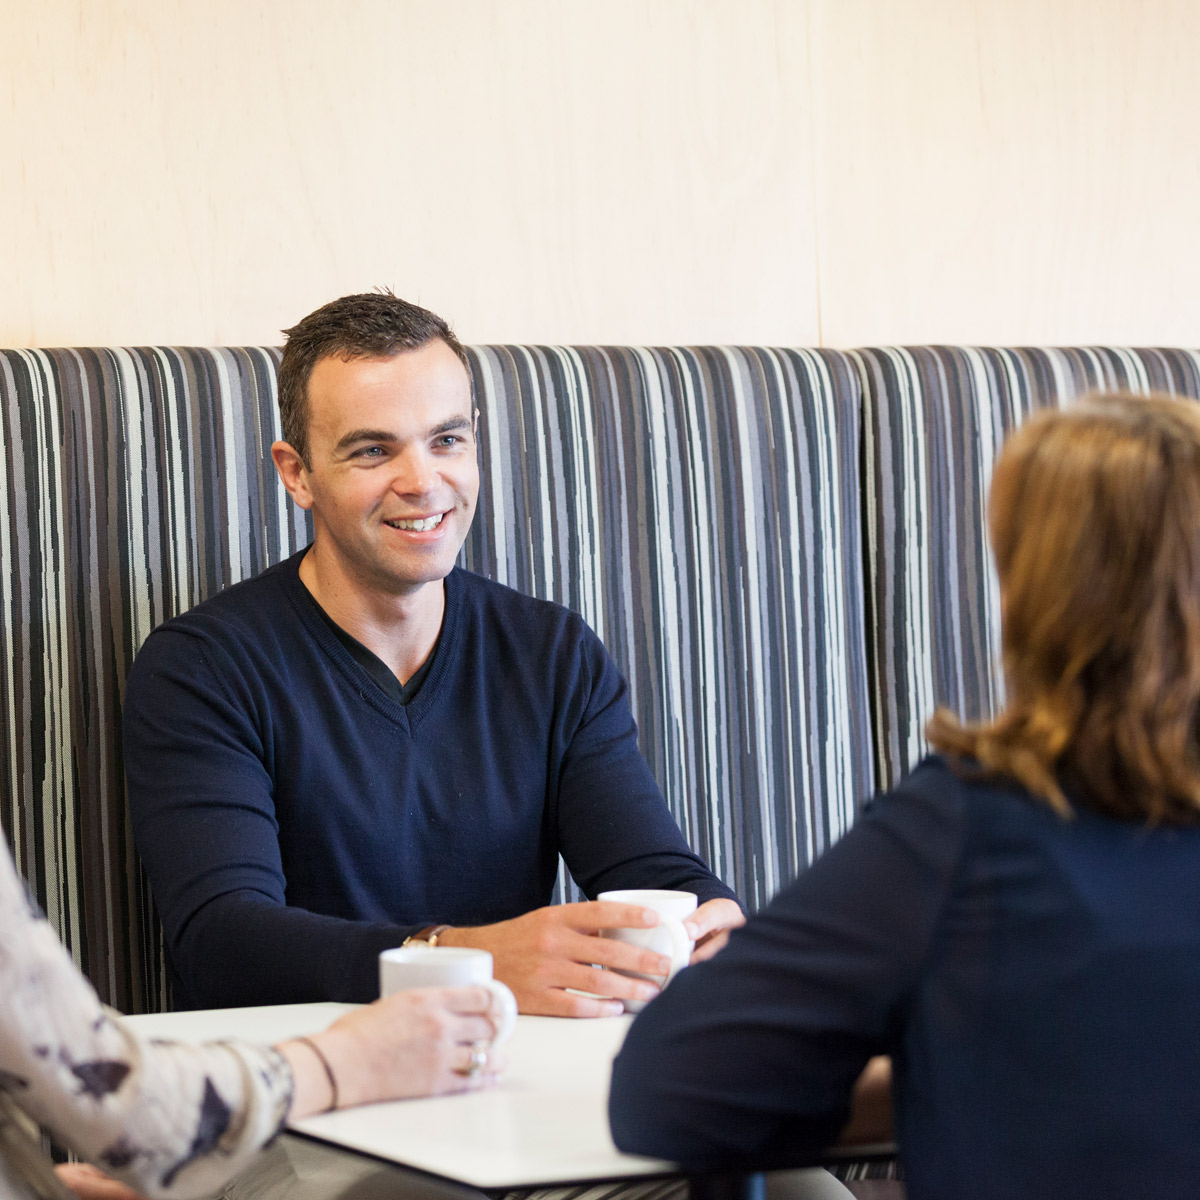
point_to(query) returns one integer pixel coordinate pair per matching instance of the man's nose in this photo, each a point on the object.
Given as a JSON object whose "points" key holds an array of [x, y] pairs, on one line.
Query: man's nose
{"points": [[415, 473]]}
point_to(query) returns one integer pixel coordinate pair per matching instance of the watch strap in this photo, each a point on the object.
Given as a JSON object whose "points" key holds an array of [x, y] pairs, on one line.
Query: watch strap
{"points": [[427, 936]]}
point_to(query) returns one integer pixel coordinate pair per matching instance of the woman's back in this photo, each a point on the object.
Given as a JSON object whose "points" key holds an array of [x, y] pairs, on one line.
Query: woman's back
{"points": [[1051, 1046], [1031, 976]]}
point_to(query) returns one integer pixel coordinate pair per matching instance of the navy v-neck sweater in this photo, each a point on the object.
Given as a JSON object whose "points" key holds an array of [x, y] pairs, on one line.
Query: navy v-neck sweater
{"points": [[295, 820]]}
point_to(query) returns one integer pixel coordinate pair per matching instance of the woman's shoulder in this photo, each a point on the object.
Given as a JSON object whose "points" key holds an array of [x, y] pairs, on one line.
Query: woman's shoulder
{"points": [[957, 799], [992, 810], [960, 781]]}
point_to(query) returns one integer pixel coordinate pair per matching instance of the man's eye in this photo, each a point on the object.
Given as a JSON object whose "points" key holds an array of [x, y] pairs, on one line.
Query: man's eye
{"points": [[369, 452], [448, 441]]}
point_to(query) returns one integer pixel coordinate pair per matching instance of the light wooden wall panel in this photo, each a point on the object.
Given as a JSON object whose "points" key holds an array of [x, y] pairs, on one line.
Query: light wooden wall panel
{"points": [[552, 170], [1008, 171], [775, 171]]}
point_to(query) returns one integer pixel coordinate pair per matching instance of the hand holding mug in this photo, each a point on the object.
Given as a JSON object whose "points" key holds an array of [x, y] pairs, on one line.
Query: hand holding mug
{"points": [[557, 966], [409, 967], [669, 937], [414, 1043], [413, 968]]}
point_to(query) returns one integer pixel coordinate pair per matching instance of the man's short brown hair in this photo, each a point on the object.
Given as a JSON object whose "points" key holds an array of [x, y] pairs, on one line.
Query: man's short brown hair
{"points": [[367, 325]]}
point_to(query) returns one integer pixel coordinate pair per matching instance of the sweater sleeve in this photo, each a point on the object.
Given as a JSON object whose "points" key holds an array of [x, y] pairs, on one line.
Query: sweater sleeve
{"points": [[196, 761], [752, 1057], [168, 1119], [615, 829]]}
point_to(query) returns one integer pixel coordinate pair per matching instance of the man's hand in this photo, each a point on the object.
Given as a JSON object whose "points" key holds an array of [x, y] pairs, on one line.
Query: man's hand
{"points": [[710, 924], [549, 950]]}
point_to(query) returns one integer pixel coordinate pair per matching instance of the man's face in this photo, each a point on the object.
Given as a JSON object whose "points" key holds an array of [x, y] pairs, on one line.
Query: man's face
{"points": [[394, 477]]}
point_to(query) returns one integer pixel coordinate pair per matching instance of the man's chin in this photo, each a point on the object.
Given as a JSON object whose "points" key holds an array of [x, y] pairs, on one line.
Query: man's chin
{"points": [[411, 579]]}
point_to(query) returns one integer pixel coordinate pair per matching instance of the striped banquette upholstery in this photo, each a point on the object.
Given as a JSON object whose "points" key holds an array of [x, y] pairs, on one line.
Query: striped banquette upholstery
{"points": [[134, 485], [701, 508], [934, 419]]}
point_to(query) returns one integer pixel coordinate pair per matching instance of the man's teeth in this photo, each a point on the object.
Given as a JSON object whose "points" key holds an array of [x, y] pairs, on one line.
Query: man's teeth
{"points": [[419, 525]]}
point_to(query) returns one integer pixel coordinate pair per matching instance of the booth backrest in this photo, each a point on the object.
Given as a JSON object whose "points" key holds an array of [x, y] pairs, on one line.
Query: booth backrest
{"points": [[700, 507], [133, 487], [934, 419], [784, 550]]}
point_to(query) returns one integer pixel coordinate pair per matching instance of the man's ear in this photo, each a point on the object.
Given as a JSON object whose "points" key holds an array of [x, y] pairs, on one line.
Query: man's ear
{"points": [[292, 473]]}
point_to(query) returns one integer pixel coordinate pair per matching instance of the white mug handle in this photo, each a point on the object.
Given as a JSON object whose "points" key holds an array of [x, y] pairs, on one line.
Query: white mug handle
{"points": [[504, 1010], [680, 950]]}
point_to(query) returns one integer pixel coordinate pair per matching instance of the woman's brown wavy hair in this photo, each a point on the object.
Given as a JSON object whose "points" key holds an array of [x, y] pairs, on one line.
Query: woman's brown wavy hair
{"points": [[1095, 524]]}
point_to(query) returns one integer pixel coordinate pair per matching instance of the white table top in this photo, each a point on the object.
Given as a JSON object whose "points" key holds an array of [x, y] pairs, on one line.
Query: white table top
{"points": [[545, 1122]]}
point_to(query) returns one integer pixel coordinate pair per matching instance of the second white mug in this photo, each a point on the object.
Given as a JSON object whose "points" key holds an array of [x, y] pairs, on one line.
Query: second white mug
{"points": [[408, 967], [668, 937]]}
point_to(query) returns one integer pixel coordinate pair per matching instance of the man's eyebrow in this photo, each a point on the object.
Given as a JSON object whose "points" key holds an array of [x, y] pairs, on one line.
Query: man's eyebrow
{"points": [[364, 435], [449, 426], [357, 436]]}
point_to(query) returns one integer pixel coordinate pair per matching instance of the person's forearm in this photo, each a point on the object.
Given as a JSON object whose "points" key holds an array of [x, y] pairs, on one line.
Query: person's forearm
{"points": [[314, 1086], [242, 949]]}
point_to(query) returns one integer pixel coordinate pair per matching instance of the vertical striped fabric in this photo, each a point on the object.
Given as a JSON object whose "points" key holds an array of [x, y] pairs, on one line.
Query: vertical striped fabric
{"points": [[135, 484], [701, 508], [934, 419]]}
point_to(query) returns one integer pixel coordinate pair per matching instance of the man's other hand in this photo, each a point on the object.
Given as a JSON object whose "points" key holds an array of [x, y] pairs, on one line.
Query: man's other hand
{"points": [[710, 924]]}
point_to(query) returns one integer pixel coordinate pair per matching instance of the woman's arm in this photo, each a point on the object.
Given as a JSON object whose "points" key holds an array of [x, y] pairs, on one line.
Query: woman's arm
{"points": [[871, 1118], [754, 1056], [175, 1120]]}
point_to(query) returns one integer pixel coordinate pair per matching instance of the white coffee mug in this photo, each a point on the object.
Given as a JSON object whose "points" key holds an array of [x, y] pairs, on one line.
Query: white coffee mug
{"points": [[408, 967], [668, 937]]}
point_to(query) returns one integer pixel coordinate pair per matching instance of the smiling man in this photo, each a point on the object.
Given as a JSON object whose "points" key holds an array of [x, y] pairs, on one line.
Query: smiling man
{"points": [[366, 745]]}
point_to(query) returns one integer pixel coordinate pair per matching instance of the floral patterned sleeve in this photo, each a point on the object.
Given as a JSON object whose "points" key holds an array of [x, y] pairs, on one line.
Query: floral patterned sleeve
{"points": [[169, 1119]]}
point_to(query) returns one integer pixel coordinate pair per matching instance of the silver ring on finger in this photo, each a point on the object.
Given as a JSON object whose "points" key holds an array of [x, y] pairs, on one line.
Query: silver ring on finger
{"points": [[477, 1061]]}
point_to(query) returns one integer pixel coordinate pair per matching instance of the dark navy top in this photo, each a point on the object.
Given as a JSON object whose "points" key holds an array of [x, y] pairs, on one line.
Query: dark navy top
{"points": [[295, 819], [1036, 979]]}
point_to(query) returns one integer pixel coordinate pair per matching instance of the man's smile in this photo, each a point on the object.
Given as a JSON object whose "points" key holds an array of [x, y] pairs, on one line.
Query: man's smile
{"points": [[417, 524]]}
